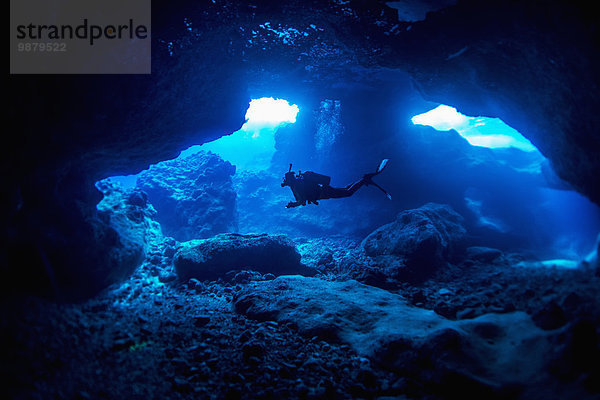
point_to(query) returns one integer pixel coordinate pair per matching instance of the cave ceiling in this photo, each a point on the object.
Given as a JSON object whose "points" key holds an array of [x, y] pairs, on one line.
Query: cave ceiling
{"points": [[533, 64]]}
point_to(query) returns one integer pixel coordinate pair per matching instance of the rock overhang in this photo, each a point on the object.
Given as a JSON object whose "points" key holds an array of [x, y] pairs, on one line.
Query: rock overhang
{"points": [[272, 49]]}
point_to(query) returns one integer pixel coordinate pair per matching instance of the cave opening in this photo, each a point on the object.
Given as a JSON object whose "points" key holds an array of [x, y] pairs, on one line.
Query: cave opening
{"points": [[478, 131], [522, 201], [249, 148], [252, 147]]}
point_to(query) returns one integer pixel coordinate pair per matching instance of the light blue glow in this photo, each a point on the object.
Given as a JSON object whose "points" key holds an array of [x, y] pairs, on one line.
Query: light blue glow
{"points": [[252, 147], [269, 112], [478, 131]]}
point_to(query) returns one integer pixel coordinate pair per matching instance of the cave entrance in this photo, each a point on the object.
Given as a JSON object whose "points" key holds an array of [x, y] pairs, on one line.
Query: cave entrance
{"points": [[252, 147], [195, 195], [478, 131], [513, 198]]}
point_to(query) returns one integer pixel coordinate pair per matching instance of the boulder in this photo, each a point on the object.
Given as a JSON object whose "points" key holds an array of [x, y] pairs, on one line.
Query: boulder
{"points": [[128, 230], [69, 258], [482, 254], [488, 353], [418, 241], [193, 196], [213, 258]]}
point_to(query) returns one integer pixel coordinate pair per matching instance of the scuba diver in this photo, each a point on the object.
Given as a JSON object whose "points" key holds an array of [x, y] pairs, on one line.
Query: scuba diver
{"points": [[310, 186]]}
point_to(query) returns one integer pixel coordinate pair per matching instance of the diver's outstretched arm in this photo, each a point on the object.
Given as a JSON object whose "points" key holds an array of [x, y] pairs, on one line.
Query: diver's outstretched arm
{"points": [[293, 204]]}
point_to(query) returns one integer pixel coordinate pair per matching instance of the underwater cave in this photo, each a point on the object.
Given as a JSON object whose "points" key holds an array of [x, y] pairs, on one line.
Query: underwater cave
{"points": [[324, 199]]}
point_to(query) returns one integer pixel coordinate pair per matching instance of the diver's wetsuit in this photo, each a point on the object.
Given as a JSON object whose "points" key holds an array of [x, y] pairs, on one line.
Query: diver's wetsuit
{"points": [[311, 187]]}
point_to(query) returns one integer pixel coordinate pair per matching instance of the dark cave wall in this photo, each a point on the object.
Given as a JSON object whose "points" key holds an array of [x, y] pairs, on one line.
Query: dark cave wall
{"points": [[71, 131], [531, 63]]}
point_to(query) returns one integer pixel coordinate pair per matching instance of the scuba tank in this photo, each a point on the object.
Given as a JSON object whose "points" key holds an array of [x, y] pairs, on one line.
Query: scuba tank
{"points": [[310, 177], [315, 178]]}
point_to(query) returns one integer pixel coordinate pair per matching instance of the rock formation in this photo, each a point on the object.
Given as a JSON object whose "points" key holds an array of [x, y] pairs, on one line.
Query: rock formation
{"points": [[193, 196], [417, 242], [213, 258], [494, 355]]}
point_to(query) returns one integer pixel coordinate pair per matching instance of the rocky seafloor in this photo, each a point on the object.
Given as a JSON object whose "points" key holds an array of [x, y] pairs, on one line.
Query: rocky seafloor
{"points": [[412, 310], [486, 326]]}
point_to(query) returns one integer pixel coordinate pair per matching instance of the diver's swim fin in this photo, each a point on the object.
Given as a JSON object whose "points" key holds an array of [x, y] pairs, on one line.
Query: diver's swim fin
{"points": [[369, 181], [382, 165], [389, 196]]}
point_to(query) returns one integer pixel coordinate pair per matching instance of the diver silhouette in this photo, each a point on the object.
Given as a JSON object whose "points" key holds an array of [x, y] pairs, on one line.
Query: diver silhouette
{"points": [[310, 186]]}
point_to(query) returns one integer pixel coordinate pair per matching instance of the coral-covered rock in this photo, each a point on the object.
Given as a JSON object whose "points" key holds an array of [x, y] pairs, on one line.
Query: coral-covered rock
{"points": [[193, 196], [418, 241], [210, 259]]}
